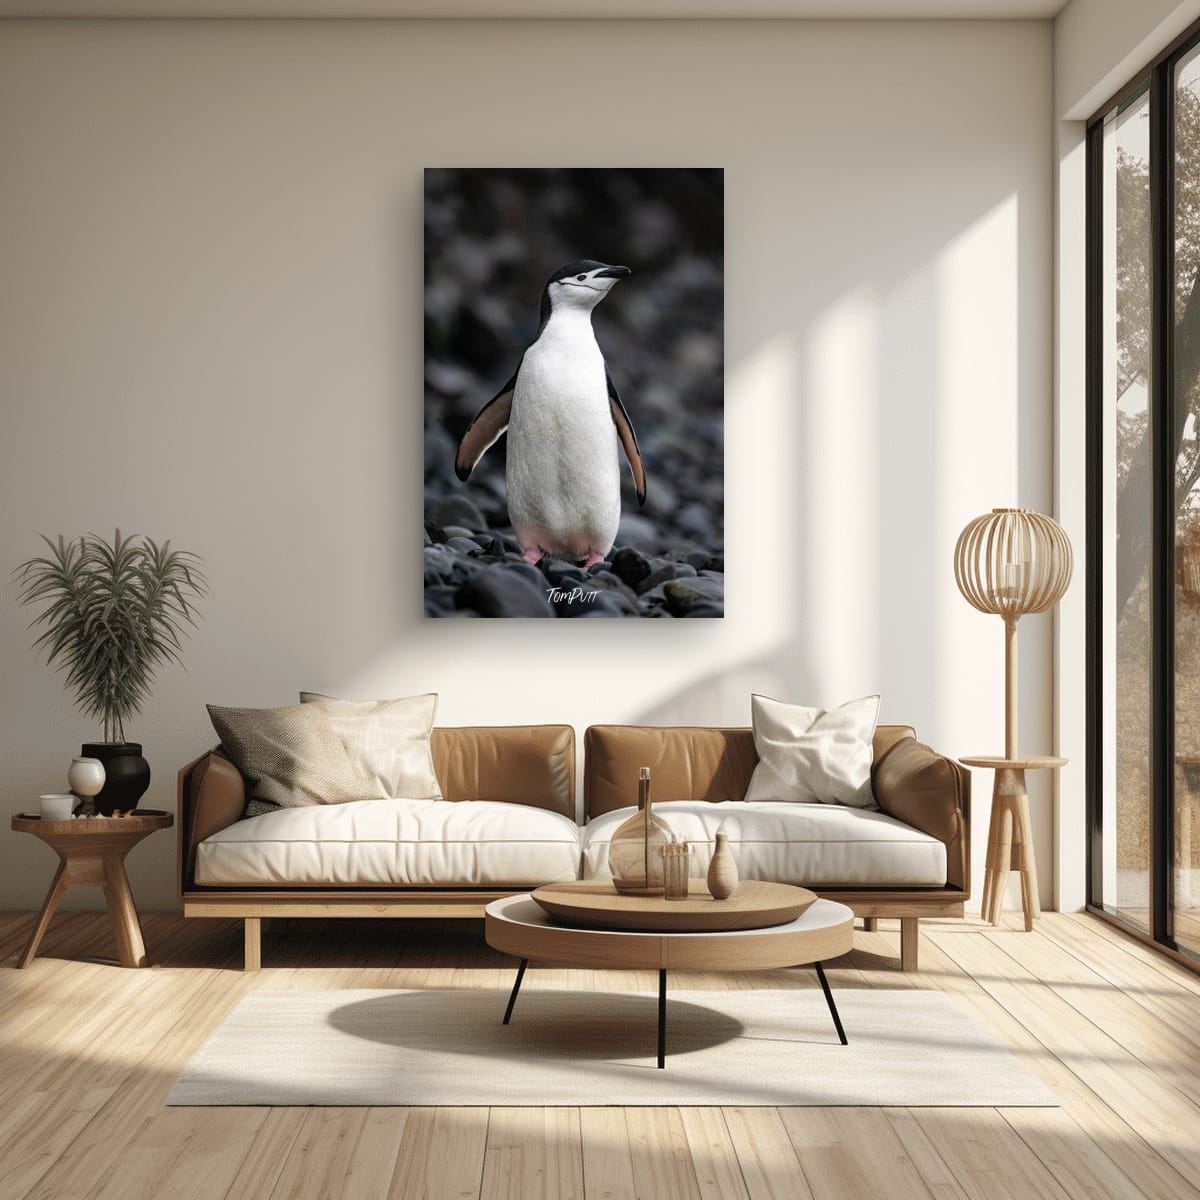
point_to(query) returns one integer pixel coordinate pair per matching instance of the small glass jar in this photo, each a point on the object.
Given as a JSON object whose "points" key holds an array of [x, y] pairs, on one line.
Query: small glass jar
{"points": [[676, 861]]}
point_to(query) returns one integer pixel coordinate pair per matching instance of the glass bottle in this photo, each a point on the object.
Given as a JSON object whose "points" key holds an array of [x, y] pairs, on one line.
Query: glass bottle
{"points": [[635, 852]]}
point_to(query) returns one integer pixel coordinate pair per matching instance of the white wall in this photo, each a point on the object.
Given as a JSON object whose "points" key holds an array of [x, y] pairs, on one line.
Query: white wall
{"points": [[210, 329], [1099, 46]]}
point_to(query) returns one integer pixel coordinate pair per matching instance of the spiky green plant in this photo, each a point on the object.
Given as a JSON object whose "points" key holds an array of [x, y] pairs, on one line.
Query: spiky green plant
{"points": [[112, 613]]}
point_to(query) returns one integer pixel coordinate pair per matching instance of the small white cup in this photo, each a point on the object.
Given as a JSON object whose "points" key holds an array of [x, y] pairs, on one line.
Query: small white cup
{"points": [[58, 806]]}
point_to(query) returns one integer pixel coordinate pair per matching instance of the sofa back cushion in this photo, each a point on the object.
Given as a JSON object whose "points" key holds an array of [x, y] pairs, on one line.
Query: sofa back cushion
{"points": [[519, 764], [686, 762]]}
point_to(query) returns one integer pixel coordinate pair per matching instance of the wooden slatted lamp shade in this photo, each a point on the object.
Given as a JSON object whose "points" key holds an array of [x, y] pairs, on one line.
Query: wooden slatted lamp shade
{"points": [[1010, 562]]}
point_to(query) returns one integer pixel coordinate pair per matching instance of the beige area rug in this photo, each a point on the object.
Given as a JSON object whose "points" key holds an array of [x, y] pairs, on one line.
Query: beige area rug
{"points": [[771, 1047]]}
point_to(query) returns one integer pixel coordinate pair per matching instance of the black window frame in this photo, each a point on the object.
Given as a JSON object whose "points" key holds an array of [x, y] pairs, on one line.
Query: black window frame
{"points": [[1159, 80]]}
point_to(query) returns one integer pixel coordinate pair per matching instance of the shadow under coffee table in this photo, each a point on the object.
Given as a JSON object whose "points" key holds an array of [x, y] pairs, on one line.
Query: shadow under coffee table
{"points": [[518, 925]]}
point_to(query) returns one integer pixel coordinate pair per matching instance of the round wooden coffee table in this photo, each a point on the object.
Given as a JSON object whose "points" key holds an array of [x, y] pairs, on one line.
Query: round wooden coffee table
{"points": [[91, 852], [518, 925]]}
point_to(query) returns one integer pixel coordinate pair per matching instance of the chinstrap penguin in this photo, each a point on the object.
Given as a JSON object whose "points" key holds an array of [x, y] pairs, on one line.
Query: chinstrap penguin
{"points": [[564, 419]]}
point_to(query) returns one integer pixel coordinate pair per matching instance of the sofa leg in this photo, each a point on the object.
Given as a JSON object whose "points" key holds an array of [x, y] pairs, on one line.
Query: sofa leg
{"points": [[870, 924], [908, 944], [253, 953]]}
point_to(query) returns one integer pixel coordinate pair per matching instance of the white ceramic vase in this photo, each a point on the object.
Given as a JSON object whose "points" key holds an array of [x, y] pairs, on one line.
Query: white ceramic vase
{"points": [[85, 777]]}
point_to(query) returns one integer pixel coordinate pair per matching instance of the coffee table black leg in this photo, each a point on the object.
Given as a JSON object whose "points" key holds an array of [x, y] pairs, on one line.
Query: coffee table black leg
{"points": [[662, 1018], [833, 1012], [516, 988]]}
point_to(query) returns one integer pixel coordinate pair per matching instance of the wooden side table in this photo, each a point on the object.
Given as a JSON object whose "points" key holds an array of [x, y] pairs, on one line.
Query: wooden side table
{"points": [[91, 852], [1010, 837]]}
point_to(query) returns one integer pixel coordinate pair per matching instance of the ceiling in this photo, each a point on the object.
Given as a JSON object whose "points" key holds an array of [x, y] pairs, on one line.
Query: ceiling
{"points": [[510, 9]]}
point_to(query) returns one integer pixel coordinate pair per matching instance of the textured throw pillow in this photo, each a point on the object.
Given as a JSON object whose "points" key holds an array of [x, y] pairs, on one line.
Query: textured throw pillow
{"points": [[387, 741], [291, 757], [808, 754]]}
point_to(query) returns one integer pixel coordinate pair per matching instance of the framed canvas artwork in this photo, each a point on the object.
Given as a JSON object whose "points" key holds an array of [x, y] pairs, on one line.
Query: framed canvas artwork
{"points": [[574, 393]]}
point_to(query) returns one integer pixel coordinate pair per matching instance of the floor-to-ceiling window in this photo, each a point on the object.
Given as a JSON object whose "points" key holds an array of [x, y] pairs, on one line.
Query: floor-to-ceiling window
{"points": [[1144, 502]]}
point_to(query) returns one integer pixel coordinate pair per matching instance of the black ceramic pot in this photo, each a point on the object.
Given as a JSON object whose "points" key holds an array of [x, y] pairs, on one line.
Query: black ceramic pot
{"points": [[126, 775]]}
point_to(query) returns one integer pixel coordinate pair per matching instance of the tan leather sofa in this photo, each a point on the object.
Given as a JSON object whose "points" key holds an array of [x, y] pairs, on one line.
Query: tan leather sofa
{"points": [[701, 774], [524, 765], [924, 800]]}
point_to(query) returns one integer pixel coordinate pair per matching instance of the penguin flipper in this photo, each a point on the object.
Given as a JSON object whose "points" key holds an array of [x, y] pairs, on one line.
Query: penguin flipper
{"points": [[485, 430], [628, 439]]}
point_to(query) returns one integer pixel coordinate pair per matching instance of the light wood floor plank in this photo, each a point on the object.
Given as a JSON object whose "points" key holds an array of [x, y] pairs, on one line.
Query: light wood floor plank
{"points": [[662, 1161], [259, 1172], [1138, 980], [852, 1154], [607, 1161], [714, 1159], [765, 1154], [373, 1162], [1097, 930], [533, 1154], [441, 1154], [1080, 1166], [1147, 1103], [172, 1156], [1162, 1035], [986, 1156], [321, 1157], [89, 1050], [1105, 1130], [925, 1156]]}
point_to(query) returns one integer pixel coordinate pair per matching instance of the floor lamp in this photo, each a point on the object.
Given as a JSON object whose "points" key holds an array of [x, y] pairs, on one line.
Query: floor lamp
{"points": [[1011, 562]]}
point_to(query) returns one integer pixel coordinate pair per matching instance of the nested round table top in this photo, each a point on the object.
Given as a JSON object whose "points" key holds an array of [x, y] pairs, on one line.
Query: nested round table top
{"points": [[595, 903], [518, 925], [1028, 762], [139, 822]]}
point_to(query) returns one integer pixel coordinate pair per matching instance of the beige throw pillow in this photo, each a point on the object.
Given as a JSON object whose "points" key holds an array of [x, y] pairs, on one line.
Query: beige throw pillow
{"points": [[810, 755], [290, 756], [387, 741]]}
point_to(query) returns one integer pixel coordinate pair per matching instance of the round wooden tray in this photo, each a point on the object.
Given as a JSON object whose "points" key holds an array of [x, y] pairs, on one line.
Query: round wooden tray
{"points": [[596, 904], [141, 820]]}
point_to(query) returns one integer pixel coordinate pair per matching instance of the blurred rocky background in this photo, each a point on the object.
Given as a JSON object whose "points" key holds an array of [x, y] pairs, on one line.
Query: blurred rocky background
{"points": [[492, 238]]}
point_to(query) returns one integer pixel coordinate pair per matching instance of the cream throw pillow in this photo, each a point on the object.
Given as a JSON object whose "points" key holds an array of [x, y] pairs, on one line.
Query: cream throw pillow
{"points": [[387, 741], [290, 756], [808, 754]]}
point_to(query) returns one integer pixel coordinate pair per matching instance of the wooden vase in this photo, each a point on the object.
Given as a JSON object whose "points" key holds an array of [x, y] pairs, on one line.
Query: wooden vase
{"points": [[722, 871]]}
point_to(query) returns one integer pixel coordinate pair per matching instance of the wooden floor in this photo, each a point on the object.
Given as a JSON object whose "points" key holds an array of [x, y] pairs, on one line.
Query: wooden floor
{"points": [[88, 1052]]}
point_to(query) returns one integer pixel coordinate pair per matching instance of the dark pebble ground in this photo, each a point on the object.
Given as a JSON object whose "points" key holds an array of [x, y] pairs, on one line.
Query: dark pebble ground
{"points": [[472, 570]]}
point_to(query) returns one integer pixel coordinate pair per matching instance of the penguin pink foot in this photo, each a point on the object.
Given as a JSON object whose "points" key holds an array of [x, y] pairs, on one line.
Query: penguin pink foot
{"points": [[592, 559]]}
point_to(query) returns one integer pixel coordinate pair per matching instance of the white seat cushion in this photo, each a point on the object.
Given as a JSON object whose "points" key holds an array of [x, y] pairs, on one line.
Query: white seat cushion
{"points": [[405, 843], [806, 844]]}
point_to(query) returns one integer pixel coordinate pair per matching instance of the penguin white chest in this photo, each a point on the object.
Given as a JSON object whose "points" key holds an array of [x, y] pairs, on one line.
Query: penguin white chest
{"points": [[563, 474]]}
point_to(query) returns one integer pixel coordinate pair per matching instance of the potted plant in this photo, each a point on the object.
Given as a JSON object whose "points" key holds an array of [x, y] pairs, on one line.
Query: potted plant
{"points": [[112, 613]]}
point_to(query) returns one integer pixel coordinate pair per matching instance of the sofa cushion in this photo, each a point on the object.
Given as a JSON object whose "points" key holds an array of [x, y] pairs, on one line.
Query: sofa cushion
{"points": [[812, 845], [290, 756], [389, 842], [518, 764], [809, 755], [387, 741], [687, 762]]}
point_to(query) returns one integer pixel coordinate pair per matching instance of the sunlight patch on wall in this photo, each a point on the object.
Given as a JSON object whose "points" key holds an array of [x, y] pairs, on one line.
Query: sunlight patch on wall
{"points": [[841, 584]]}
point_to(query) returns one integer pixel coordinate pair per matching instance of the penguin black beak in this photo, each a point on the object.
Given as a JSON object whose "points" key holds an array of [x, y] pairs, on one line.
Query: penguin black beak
{"points": [[612, 273]]}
